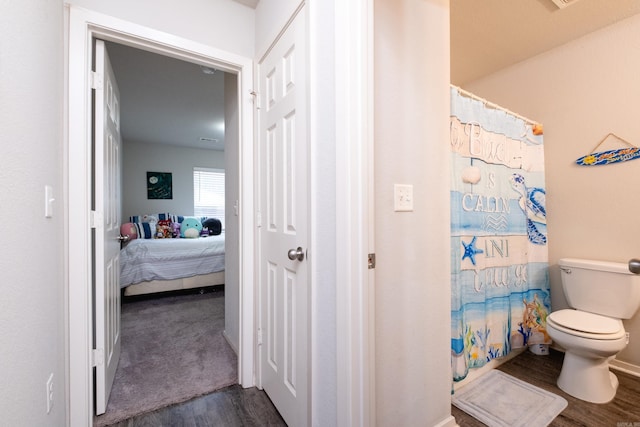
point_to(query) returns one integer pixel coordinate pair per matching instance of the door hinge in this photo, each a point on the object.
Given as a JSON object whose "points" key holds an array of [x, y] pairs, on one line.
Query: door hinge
{"points": [[96, 80], [95, 219], [97, 357], [258, 219], [371, 261], [259, 336], [256, 98]]}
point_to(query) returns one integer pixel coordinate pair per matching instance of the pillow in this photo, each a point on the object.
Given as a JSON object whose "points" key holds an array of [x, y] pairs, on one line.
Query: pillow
{"points": [[145, 230], [176, 218], [128, 230], [190, 228], [213, 225], [150, 218]]}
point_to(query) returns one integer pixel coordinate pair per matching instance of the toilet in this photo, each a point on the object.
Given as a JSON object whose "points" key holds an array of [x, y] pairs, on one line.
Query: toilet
{"points": [[600, 294]]}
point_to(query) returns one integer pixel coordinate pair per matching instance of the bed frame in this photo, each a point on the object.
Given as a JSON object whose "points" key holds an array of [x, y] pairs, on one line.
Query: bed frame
{"points": [[155, 286]]}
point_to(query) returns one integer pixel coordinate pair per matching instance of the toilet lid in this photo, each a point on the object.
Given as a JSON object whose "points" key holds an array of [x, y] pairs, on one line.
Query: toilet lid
{"points": [[586, 322]]}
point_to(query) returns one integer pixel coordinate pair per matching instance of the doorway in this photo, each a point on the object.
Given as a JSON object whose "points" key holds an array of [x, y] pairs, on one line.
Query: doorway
{"points": [[166, 109], [84, 27]]}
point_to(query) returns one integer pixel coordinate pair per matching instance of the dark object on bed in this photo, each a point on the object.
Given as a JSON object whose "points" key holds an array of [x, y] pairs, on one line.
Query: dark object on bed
{"points": [[213, 225]]}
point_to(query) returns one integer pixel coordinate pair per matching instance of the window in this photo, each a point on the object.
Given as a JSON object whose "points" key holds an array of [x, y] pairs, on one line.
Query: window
{"points": [[208, 193]]}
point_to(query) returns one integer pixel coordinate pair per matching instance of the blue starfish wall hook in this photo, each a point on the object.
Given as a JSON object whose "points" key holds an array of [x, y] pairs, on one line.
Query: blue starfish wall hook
{"points": [[470, 250]]}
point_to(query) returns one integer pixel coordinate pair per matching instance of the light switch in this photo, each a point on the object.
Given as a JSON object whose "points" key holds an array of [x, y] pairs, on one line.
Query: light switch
{"points": [[403, 198], [48, 201]]}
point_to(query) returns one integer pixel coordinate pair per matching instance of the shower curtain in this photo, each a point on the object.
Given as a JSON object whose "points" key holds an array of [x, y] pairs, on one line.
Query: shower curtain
{"points": [[500, 287]]}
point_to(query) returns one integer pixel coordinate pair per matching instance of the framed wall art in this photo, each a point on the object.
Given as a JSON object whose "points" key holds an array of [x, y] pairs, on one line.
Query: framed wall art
{"points": [[159, 185]]}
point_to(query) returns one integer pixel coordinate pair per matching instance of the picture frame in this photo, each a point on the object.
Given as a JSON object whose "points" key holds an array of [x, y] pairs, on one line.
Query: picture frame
{"points": [[159, 185]]}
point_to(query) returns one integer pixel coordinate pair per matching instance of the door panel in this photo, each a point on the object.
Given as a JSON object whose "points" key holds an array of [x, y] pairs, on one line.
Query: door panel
{"points": [[107, 226], [284, 283]]}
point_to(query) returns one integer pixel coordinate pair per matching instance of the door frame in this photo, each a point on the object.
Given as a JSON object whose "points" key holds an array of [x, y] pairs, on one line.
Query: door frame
{"points": [[85, 25]]}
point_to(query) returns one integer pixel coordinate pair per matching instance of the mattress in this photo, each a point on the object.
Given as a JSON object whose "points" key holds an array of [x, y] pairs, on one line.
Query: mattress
{"points": [[143, 260]]}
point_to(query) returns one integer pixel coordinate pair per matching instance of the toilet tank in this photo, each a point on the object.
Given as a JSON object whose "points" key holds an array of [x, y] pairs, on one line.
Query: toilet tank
{"points": [[600, 287]]}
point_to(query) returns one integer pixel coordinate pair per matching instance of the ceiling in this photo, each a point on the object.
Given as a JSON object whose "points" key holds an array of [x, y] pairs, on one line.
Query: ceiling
{"points": [[488, 35], [168, 101]]}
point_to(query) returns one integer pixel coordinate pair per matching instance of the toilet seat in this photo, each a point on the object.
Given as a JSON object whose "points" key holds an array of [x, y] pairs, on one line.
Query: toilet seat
{"points": [[586, 325]]}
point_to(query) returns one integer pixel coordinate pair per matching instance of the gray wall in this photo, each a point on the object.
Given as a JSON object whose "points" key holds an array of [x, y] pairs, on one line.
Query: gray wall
{"points": [[32, 334], [139, 158]]}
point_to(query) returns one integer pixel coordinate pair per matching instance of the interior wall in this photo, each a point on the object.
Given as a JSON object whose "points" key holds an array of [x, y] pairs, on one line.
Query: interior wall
{"points": [[413, 290], [140, 158], [232, 225], [224, 24], [580, 92], [31, 257], [323, 152], [271, 17]]}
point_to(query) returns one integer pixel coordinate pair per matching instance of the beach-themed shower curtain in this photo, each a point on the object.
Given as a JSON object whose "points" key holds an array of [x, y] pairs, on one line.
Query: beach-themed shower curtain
{"points": [[500, 287]]}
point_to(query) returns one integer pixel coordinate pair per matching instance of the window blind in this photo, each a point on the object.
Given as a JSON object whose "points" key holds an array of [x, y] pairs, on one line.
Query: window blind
{"points": [[208, 193]]}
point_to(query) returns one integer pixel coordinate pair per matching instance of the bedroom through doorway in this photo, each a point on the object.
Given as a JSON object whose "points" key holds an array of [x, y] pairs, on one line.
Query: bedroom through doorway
{"points": [[177, 120]]}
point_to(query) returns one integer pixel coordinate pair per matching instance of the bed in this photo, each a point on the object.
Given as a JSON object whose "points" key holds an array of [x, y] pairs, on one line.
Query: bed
{"points": [[160, 265]]}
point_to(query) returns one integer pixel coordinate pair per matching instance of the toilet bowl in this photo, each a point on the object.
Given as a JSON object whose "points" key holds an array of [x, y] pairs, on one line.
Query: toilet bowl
{"points": [[585, 372], [600, 294]]}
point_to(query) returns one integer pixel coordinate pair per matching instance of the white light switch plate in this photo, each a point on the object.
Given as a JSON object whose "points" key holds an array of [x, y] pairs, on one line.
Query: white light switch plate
{"points": [[403, 198]]}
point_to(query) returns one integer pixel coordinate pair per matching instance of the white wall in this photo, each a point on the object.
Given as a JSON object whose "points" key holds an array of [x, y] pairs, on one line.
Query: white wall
{"points": [[140, 158], [580, 92], [413, 291], [322, 124], [271, 17], [224, 24], [232, 225], [31, 260]]}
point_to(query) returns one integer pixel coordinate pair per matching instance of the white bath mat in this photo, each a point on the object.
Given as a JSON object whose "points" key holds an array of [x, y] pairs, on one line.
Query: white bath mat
{"points": [[498, 399]]}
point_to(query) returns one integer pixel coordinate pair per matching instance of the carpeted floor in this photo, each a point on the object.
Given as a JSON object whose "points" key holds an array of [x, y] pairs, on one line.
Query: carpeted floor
{"points": [[172, 350]]}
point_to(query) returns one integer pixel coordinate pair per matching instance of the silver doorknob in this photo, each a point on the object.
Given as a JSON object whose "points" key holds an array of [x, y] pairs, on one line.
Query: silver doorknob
{"points": [[123, 238], [296, 254]]}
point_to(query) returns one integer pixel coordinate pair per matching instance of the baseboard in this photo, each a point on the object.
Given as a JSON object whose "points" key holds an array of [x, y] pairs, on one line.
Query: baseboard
{"points": [[447, 422], [625, 367], [226, 337]]}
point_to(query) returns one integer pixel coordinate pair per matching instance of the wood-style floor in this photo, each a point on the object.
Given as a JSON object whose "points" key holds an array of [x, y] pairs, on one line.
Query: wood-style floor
{"points": [[235, 406], [542, 371], [232, 406]]}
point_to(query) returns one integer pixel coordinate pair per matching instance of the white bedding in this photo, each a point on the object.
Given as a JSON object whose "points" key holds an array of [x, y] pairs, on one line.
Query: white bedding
{"points": [[168, 259]]}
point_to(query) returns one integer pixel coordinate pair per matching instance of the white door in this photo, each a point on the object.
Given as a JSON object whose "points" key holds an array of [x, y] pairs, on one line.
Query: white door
{"points": [[106, 220], [284, 167]]}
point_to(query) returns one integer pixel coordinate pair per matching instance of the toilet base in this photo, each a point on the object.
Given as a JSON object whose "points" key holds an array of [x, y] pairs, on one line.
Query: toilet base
{"points": [[587, 379]]}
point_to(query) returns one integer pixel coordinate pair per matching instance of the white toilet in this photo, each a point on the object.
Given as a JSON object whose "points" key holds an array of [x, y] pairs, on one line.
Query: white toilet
{"points": [[600, 294]]}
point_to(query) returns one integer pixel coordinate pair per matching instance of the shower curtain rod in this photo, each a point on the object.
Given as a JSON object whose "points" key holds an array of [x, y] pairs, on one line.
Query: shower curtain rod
{"points": [[492, 105]]}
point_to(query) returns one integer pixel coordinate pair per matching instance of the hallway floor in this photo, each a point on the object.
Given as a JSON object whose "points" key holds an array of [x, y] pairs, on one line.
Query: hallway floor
{"points": [[235, 406], [624, 410], [230, 407]]}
